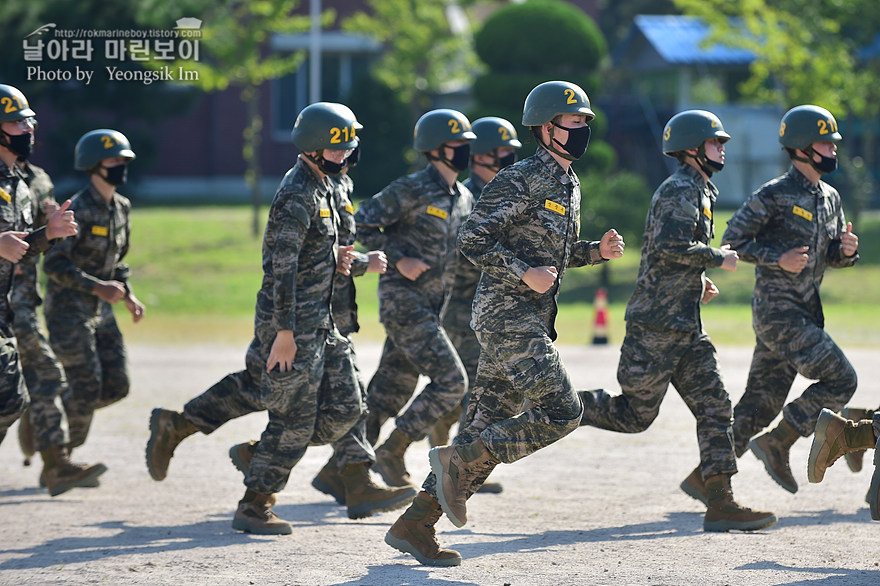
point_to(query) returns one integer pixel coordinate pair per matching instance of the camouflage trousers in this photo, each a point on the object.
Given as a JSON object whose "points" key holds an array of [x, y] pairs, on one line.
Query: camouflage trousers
{"points": [[91, 349], [650, 360], [299, 415], [513, 368], [45, 381], [13, 393], [353, 447], [411, 350], [783, 350]]}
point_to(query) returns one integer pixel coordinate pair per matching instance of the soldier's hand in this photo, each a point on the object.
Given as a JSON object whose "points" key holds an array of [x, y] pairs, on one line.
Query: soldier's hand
{"points": [[109, 291], [849, 242], [345, 257], [611, 245], [283, 352], [710, 291], [378, 261], [13, 246], [794, 260], [134, 307], [411, 268], [61, 223], [540, 279], [731, 258]]}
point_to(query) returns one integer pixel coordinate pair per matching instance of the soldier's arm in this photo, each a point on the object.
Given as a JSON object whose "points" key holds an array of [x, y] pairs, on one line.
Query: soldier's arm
{"points": [[744, 227], [292, 220], [834, 256], [377, 213], [58, 264], [675, 226]]}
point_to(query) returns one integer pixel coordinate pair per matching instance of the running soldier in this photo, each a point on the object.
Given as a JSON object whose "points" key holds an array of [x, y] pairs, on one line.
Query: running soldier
{"points": [[792, 228], [665, 342], [292, 329], [415, 220], [18, 240], [523, 234]]}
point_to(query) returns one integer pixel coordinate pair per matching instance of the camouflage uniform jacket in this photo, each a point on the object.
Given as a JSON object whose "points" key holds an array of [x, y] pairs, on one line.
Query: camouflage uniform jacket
{"points": [[26, 288], [467, 275], [415, 216], [343, 304], [299, 254], [527, 216], [96, 253], [16, 214], [782, 214], [675, 253]]}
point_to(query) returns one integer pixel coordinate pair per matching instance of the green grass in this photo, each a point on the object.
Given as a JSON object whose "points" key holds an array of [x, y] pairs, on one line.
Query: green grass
{"points": [[198, 271]]}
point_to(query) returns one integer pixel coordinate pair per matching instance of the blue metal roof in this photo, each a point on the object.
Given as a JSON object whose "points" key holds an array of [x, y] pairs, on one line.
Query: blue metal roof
{"points": [[678, 40]]}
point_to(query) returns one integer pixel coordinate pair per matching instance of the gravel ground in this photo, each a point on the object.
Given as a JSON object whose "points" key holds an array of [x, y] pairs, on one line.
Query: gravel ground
{"points": [[594, 508]]}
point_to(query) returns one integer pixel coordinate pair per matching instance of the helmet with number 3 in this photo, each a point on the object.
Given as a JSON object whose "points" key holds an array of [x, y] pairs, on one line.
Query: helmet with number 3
{"points": [[439, 126], [552, 98], [97, 145], [13, 105], [690, 129], [325, 125], [803, 125]]}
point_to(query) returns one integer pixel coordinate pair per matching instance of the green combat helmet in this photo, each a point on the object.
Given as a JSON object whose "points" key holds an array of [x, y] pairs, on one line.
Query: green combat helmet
{"points": [[493, 133], [551, 98], [97, 145], [690, 129], [13, 105], [325, 125], [439, 126], [803, 125]]}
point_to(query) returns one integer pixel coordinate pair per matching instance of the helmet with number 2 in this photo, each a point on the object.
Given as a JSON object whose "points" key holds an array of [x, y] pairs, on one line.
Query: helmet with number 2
{"points": [[439, 126], [803, 125], [552, 98], [493, 133], [13, 105], [97, 145], [325, 125]]}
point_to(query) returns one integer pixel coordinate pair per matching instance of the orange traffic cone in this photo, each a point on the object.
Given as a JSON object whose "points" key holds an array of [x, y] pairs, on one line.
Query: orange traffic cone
{"points": [[600, 317]]}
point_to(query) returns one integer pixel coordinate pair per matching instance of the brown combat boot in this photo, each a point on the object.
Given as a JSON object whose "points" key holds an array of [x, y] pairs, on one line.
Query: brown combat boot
{"points": [[242, 454], [439, 435], [167, 430], [772, 448], [456, 467], [414, 533], [694, 487], [834, 437], [375, 420], [855, 459], [60, 474], [255, 515], [363, 497], [329, 481], [26, 437], [390, 461], [723, 513]]}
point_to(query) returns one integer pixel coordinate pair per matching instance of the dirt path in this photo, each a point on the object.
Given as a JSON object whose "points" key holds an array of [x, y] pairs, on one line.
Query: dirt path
{"points": [[595, 508]]}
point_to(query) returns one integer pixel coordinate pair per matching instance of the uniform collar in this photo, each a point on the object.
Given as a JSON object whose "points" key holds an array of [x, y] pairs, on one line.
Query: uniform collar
{"points": [[801, 179], [561, 175], [434, 174]]}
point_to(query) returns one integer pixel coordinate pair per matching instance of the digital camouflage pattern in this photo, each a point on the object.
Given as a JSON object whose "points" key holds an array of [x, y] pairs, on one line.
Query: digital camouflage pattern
{"points": [[665, 342], [83, 331], [416, 216], [785, 213], [42, 371]]}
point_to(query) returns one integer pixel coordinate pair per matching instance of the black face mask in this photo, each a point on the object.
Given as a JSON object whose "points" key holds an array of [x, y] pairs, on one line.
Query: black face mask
{"points": [[825, 165], [354, 157], [116, 175], [714, 166], [461, 156], [506, 161], [576, 144], [20, 144], [326, 167]]}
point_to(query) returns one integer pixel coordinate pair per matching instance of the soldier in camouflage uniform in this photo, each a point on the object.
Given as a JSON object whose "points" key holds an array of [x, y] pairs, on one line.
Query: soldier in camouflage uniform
{"points": [[43, 427], [293, 327], [523, 234], [415, 220], [18, 240], [792, 228], [87, 274], [838, 436], [665, 341], [346, 476]]}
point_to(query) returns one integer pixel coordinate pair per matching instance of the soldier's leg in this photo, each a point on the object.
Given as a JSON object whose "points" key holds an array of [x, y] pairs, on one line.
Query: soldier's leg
{"points": [[648, 357], [74, 342], [770, 378], [873, 497], [114, 362], [391, 386], [340, 401], [13, 393]]}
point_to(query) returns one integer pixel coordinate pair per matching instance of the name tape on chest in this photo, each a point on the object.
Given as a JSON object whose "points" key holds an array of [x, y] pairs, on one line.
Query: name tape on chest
{"points": [[554, 207], [349, 208], [100, 230], [707, 211], [435, 211], [5, 196], [325, 212], [799, 211]]}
